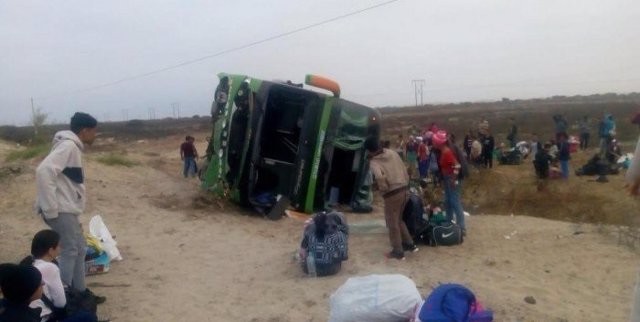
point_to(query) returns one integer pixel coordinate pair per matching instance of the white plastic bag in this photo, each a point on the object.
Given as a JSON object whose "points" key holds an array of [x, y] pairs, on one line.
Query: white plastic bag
{"points": [[98, 229], [375, 298]]}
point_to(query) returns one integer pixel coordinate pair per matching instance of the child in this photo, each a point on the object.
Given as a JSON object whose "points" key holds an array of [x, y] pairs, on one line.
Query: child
{"points": [[564, 156], [542, 162], [45, 247], [20, 285]]}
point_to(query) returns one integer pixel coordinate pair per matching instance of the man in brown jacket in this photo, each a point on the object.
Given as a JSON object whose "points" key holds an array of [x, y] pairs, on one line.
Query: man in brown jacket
{"points": [[393, 182]]}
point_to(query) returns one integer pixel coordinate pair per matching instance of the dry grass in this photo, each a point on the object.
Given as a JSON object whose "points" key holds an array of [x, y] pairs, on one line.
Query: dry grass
{"points": [[116, 160], [28, 153]]}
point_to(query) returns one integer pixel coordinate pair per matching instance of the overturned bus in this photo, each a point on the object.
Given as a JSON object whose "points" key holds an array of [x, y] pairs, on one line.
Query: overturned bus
{"points": [[276, 145]]}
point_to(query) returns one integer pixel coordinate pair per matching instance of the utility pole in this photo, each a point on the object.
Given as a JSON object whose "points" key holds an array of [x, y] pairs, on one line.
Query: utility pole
{"points": [[176, 109], [33, 118], [418, 85]]}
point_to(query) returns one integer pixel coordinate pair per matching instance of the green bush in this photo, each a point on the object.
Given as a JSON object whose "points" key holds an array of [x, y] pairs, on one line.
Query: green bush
{"points": [[28, 153], [116, 160]]}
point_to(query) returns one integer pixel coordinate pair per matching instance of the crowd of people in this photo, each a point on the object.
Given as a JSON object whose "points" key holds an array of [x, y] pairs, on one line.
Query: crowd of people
{"points": [[49, 285]]}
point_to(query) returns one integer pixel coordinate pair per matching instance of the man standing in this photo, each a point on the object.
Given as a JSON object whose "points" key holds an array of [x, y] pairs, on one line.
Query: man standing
{"points": [[513, 133], [189, 154], [393, 182], [488, 144], [61, 197], [585, 129]]}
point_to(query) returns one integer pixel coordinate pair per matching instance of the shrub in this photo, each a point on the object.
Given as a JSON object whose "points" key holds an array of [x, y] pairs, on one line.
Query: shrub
{"points": [[28, 153]]}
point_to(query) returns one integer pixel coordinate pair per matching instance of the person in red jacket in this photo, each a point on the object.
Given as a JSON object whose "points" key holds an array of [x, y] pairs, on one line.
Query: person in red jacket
{"points": [[450, 168]]}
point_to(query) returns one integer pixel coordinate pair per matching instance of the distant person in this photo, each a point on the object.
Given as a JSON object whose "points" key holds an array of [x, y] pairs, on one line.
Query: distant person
{"points": [[393, 182], [607, 132], [324, 244], [585, 133], [512, 137], [614, 152], [450, 168], [488, 145], [562, 125], [483, 128], [535, 145], [189, 154], [61, 197], [467, 144], [423, 158], [400, 146], [541, 164], [45, 247], [412, 156], [20, 285], [564, 156]]}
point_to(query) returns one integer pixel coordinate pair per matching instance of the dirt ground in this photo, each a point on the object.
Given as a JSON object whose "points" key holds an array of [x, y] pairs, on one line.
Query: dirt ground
{"points": [[190, 259]]}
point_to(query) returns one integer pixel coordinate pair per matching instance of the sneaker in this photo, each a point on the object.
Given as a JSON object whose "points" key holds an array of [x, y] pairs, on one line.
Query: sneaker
{"points": [[410, 248], [98, 299], [395, 255]]}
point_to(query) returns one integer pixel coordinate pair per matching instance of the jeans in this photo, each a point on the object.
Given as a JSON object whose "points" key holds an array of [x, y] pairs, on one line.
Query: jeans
{"points": [[452, 201], [564, 167], [423, 168], [74, 249], [190, 167]]}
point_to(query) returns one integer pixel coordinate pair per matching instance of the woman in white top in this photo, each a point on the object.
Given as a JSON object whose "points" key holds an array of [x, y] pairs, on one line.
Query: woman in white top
{"points": [[45, 247]]}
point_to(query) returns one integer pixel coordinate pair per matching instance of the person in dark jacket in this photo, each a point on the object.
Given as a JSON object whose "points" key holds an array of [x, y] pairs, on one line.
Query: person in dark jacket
{"points": [[513, 133], [561, 125], [488, 144], [564, 156], [20, 285], [542, 162]]}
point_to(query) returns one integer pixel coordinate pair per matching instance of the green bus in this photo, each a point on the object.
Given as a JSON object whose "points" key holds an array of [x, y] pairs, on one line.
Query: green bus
{"points": [[278, 144]]}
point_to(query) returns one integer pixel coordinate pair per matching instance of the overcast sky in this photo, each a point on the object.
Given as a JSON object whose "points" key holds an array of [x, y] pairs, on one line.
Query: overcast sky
{"points": [[466, 50]]}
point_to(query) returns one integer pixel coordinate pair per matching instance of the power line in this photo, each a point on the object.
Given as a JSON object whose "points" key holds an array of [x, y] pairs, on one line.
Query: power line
{"points": [[238, 48]]}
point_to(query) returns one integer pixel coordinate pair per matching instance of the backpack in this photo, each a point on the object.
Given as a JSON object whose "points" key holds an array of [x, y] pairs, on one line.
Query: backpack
{"points": [[464, 166], [453, 303], [443, 234], [413, 217]]}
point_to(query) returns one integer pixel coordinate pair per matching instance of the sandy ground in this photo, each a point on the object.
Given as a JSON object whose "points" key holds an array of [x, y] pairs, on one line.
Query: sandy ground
{"points": [[186, 261]]}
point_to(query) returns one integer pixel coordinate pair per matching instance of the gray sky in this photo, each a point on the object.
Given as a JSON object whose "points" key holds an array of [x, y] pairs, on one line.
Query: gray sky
{"points": [[466, 50]]}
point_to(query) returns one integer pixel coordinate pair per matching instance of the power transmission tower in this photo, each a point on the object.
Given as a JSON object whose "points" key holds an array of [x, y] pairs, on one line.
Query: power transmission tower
{"points": [[176, 110], [125, 114], [152, 113], [418, 85]]}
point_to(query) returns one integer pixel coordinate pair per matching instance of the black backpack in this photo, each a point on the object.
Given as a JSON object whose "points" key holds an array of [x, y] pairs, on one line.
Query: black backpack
{"points": [[413, 217]]}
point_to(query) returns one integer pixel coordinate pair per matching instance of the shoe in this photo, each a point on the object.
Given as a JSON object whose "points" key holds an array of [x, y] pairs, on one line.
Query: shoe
{"points": [[464, 232], [395, 255], [410, 248], [98, 299]]}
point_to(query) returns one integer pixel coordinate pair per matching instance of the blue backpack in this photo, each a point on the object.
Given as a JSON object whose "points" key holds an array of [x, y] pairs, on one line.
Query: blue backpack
{"points": [[453, 303]]}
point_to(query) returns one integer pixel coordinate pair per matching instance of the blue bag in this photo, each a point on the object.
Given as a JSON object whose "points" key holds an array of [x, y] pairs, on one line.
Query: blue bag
{"points": [[453, 303]]}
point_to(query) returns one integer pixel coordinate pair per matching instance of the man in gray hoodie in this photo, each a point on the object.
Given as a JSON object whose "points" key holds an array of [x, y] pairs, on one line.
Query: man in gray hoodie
{"points": [[61, 196]]}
